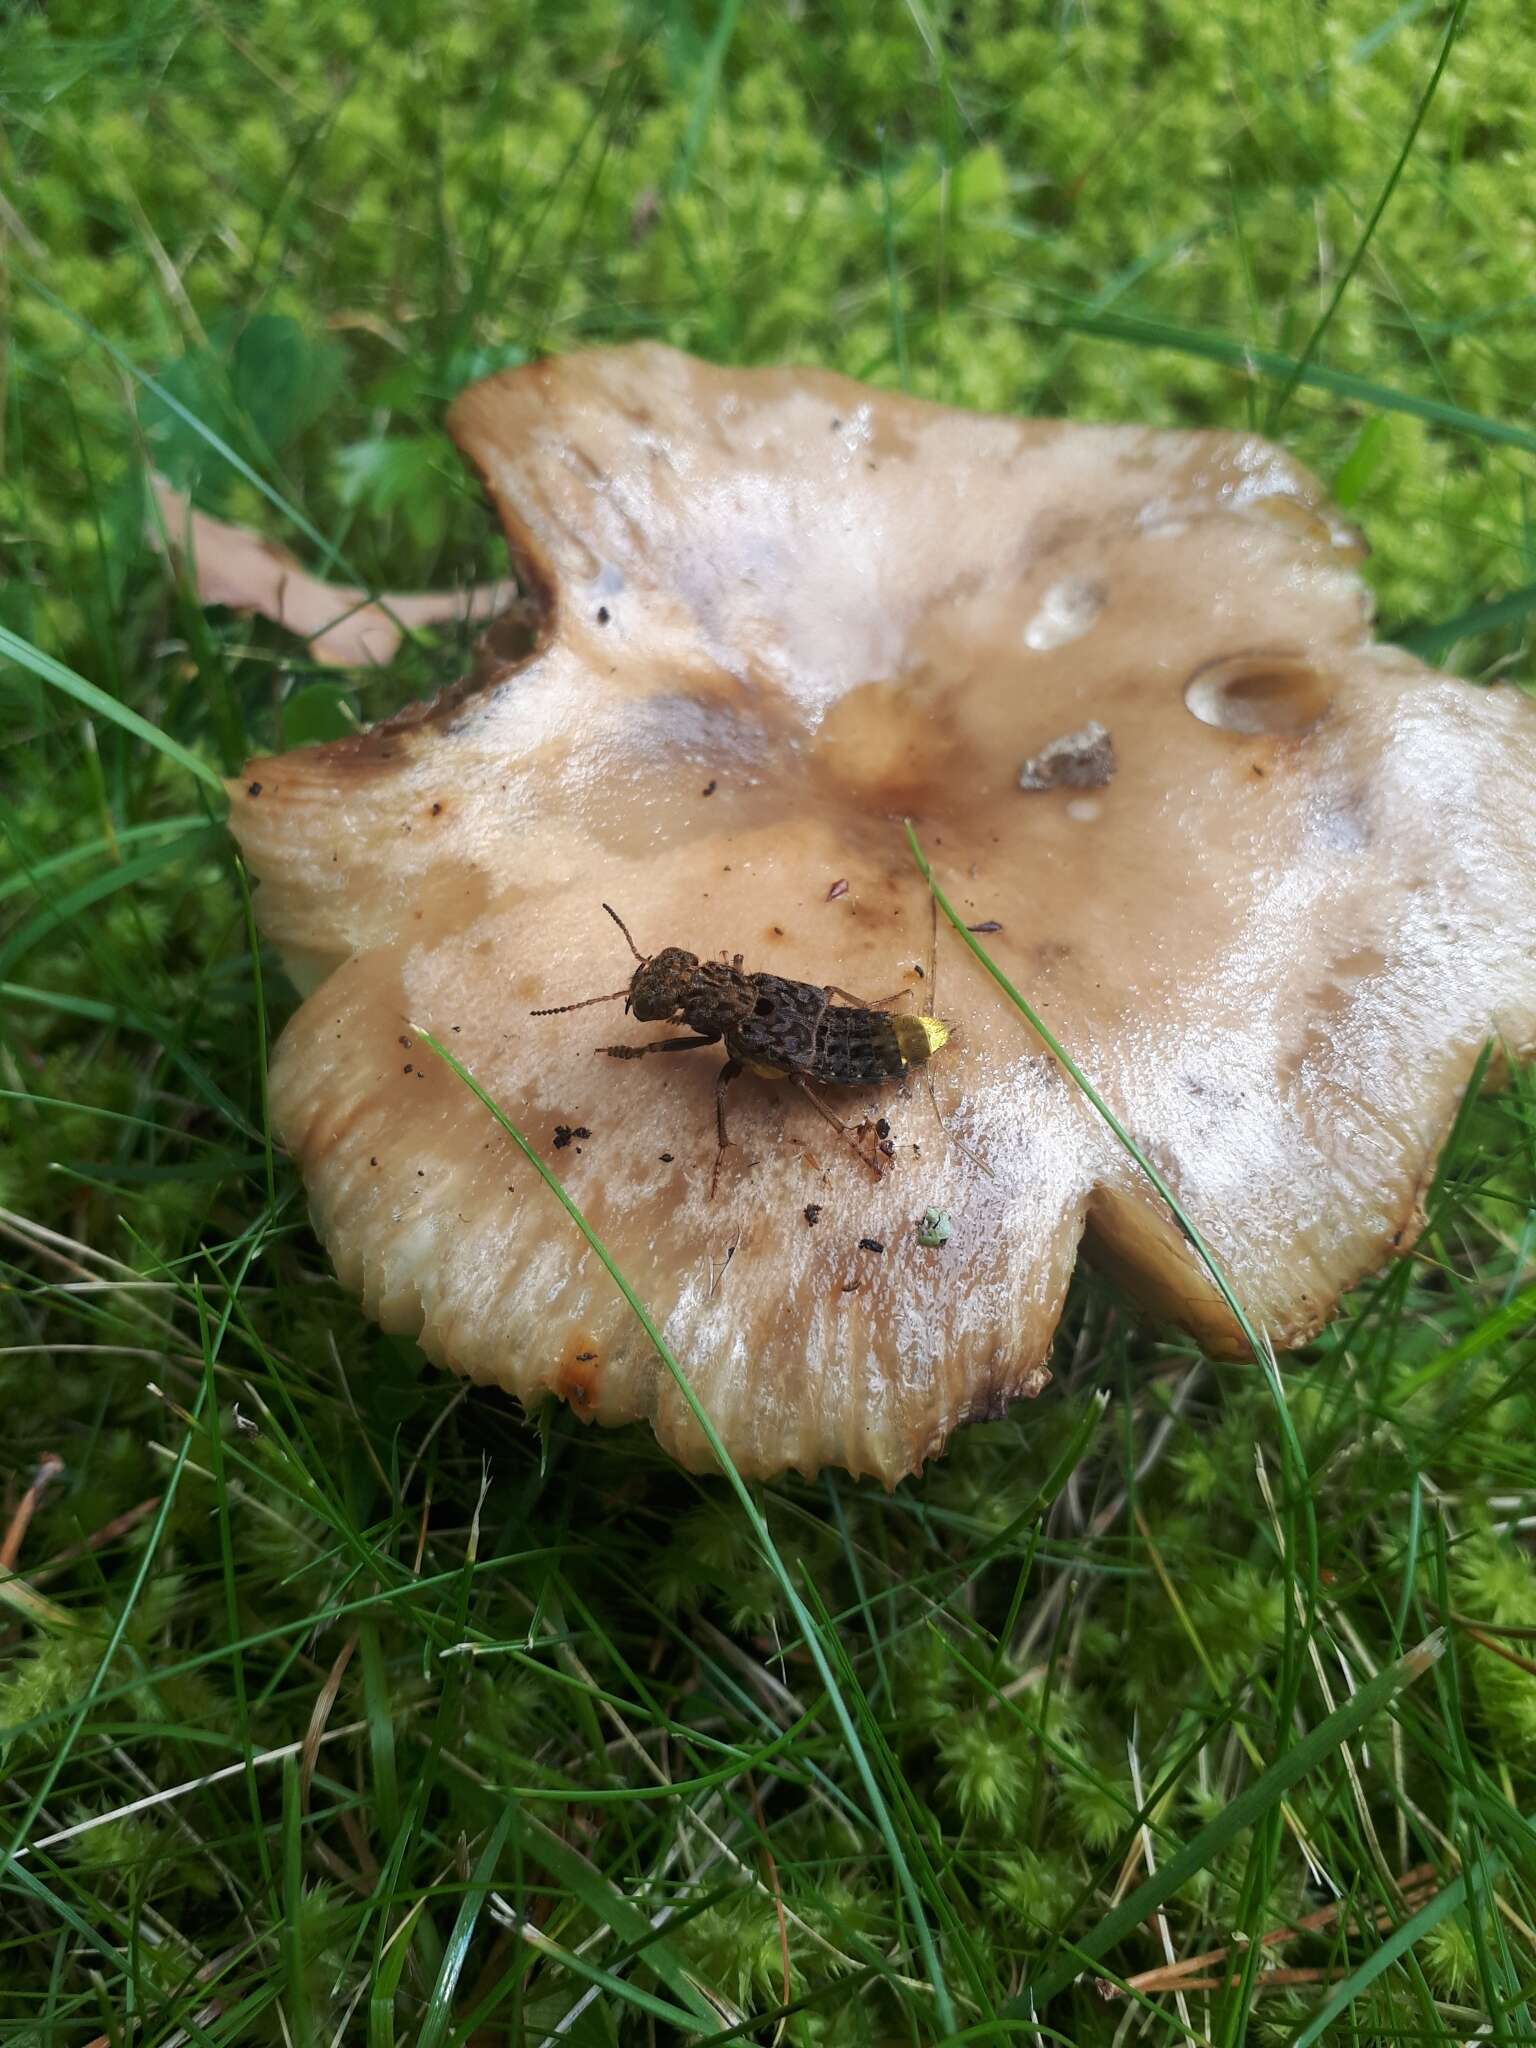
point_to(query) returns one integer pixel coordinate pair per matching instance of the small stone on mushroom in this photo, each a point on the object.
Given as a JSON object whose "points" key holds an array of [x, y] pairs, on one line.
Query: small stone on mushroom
{"points": [[1084, 759]]}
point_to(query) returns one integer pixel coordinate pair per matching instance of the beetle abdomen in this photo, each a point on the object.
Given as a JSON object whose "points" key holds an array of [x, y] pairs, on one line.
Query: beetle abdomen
{"points": [[778, 1036], [794, 1029], [863, 1046]]}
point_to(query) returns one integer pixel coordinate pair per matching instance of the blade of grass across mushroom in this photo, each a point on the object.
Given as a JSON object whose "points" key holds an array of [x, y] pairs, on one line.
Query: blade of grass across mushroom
{"points": [[762, 1536], [1262, 1350]]}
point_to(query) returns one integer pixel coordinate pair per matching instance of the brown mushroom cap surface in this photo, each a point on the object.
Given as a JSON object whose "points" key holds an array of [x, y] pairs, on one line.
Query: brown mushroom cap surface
{"points": [[784, 610]]}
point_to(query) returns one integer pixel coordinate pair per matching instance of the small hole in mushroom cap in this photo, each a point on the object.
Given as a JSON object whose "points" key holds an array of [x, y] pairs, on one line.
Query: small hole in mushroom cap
{"points": [[1259, 691], [1313, 522]]}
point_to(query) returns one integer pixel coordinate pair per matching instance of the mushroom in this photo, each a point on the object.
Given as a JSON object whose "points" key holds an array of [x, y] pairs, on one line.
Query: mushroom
{"points": [[782, 611]]}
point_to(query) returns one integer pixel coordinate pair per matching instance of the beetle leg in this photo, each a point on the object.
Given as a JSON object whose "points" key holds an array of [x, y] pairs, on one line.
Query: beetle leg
{"points": [[859, 1003], [836, 1122], [723, 1080], [638, 1052]]}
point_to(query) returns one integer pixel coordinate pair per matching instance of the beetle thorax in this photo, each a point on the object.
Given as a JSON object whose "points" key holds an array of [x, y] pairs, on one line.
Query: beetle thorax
{"points": [[675, 985], [718, 997]]}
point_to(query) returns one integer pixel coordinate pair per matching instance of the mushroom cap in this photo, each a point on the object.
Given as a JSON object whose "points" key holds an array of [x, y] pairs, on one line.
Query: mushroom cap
{"points": [[783, 611]]}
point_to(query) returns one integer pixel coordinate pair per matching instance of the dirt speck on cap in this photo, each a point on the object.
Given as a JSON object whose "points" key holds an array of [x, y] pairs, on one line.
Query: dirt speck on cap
{"points": [[1084, 759]]}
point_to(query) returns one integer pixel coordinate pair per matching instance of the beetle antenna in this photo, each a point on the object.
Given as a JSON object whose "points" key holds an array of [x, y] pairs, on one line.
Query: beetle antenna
{"points": [[560, 1008], [624, 928]]}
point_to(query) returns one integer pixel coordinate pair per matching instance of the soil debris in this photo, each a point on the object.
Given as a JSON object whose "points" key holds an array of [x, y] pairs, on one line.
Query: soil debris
{"points": [[1084, 759]]}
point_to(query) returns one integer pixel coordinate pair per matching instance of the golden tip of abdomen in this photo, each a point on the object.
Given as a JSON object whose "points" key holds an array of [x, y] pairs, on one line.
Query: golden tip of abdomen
{"points": [[919, 1038]]}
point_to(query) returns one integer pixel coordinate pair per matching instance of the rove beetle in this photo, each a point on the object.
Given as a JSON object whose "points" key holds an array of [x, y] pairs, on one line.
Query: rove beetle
{"points": [[783, 1030]]}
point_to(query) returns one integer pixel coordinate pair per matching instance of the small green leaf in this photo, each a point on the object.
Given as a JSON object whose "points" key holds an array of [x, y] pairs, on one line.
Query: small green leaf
{"points": [[257, 385], [468, 365], [320, 711], [1362, 461], [415, 475]]}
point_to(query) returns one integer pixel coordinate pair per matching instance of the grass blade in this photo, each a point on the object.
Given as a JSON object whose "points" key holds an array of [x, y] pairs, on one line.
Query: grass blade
{"points": [[435, 2020], [64, 909], [1250, 1805], [47, 670], [1357, 257], [1275, 363], [1396, 1945], [760, 1531], [1433, 643], [1261, 1349]]}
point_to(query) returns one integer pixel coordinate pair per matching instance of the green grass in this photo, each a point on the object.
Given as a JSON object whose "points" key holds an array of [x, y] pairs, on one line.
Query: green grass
{"points": [[338, 1702]]}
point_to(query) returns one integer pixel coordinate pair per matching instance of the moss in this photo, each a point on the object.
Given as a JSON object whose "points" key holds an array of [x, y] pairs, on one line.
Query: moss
{"points": [[1035, 177]]}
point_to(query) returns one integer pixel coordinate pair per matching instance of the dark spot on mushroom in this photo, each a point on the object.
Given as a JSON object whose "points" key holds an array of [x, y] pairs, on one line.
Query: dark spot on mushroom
{"points": [[563, 1136], [575, 1378], [374, 1160], [918, 971], [405, 1041], [437, 810], [812, 1212], [602, 615], [253, 789], [870, 1244], [407, 1068], [709, 788], [666, 1158], [882, 1127], [989, 924], [837, 889]]}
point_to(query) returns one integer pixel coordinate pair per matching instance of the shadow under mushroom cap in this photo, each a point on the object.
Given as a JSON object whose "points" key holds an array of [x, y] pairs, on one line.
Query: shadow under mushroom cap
{"points": [[784, 610]]}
